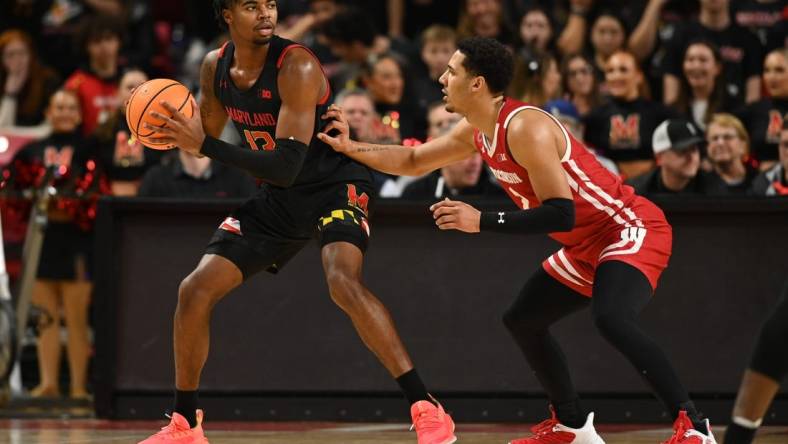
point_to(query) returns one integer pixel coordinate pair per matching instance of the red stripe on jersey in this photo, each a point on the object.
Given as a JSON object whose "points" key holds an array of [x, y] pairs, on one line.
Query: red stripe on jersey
{"points": [[221, 50], [281, 59]]}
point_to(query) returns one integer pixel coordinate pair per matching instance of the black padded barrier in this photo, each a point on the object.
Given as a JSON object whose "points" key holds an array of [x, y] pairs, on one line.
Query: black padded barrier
{"points": [[281, 350]]}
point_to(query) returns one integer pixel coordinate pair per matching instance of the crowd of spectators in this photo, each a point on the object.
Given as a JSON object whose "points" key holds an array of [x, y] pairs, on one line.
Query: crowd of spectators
{"points": [[676, 96]]}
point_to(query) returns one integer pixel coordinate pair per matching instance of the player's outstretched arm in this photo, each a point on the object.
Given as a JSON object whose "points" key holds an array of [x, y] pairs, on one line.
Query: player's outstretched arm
{"points": [[397, 159]]}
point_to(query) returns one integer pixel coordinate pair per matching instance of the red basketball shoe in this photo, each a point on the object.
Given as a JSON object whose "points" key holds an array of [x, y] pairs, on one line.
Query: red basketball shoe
{"points": [[179, 432]]}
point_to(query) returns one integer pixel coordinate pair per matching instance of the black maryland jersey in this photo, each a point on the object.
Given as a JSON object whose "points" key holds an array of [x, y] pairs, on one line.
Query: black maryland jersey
{"points": [[254, 113]]}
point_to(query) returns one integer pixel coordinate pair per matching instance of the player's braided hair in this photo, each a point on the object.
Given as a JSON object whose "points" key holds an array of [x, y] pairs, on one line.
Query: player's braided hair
{"points": [[490, 59]]}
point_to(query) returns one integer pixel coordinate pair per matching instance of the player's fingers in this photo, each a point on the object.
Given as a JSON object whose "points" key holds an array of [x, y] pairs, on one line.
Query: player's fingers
{"points": [[443, 210], [176, 115], [443, 203], [332, 114], [445, 219], [168, 121], [158, 129], [448, 226], [333, 141], [161, 140]]}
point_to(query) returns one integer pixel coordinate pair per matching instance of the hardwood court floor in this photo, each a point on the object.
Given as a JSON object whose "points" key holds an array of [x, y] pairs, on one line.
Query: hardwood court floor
{"points": [[95, 431]]}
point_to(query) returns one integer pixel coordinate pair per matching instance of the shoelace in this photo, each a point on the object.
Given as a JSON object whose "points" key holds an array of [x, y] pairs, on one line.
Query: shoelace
{"points": [[172, 430], [425, 420], [544, 427]]}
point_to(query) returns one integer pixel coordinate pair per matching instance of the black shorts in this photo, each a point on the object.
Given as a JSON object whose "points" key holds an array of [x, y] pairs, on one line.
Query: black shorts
{"points": [[270, 228]]}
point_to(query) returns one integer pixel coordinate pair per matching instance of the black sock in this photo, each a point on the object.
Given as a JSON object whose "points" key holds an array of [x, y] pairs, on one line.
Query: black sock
{"points": [[697, 418], [186, 405], [571, 414], [413, 387], [737, 434]]}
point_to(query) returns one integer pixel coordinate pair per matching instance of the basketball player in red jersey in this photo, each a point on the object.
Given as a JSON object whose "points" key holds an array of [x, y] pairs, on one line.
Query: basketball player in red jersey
{"points": [[615, 243], [275, 92]]}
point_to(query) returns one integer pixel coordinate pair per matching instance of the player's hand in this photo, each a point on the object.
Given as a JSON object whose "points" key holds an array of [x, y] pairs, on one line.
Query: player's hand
{"points": [[456, 215], [186, 134], [341, 142]]}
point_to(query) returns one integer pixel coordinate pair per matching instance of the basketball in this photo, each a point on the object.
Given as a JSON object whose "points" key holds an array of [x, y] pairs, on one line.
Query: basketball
{"points": [[148, 97]]}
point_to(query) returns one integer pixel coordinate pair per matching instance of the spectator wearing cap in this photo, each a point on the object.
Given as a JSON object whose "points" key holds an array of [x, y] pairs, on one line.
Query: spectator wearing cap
{"points": [[728, 148], [774, 182], [676, 144]]}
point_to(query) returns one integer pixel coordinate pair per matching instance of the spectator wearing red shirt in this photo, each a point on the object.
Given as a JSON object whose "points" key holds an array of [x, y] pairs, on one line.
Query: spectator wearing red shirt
{"points": [[96, 84]]}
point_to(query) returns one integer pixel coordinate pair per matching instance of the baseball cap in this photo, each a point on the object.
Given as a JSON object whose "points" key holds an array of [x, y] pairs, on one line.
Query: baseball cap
{"points": [[675, 134]]}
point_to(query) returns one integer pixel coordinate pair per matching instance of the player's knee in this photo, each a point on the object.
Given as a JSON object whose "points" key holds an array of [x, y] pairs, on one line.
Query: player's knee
{"points": [[345, 290], [194, 295], [517, 319], [610, 324]]}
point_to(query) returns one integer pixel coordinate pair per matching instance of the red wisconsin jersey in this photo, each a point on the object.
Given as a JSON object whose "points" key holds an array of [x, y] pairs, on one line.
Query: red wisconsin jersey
{"points": [[602, 202]]}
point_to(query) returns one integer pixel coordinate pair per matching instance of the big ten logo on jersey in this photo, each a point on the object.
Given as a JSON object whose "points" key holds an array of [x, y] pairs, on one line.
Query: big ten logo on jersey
{"points": [[128, 152], [775, 126], [625, 133], [354, 200], [264, 94], [60, 159]]}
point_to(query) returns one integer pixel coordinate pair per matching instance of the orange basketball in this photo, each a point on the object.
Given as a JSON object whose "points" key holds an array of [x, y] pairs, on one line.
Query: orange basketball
{"points": [[148, 97]]}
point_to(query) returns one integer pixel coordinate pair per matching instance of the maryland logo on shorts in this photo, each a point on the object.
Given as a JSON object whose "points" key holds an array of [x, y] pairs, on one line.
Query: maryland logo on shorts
{"points": [[344, 216]]}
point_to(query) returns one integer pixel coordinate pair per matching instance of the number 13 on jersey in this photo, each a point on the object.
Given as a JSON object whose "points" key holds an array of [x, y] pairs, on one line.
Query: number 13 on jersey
{"points": [[253, 136]]}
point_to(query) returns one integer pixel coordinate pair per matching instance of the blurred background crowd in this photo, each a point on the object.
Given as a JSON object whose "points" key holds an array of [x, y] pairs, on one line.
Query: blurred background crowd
{"points": [[679, 97]]}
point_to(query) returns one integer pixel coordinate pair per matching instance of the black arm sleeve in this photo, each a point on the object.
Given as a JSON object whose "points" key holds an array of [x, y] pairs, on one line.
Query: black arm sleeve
{"points": [[279, 167], [552, 216]]}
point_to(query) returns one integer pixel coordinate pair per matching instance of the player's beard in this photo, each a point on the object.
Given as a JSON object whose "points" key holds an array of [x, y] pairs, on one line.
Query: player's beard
{"points": [[261, 41]]}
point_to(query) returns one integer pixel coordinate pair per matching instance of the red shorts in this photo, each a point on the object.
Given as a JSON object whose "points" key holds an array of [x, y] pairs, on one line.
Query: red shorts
{"points": [[646, 248]]}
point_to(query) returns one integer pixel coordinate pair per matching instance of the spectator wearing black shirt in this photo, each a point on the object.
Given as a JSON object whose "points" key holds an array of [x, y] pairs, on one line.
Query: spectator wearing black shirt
{"points": [[702, 90], [384, 77], [622, 128], [184, 176], [677, 145], [763, 18], [727, 148], [354, 40], [774, 182], [763, 119], [740, 49], [415, 16], [124, 160]]}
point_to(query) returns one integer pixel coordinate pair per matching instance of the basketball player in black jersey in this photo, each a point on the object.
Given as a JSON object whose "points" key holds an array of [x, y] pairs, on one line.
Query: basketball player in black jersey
{"points": [[275, 92]]}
